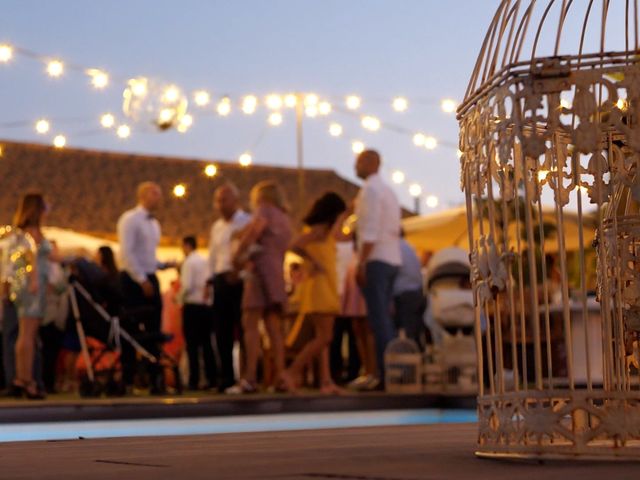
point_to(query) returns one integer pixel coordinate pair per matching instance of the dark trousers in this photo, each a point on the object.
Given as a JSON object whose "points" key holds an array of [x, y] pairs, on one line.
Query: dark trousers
{"points": [[10, 328], [378, 295], [227, 310], [410, 307], [340, 372], [197, 327], [143, 318]]}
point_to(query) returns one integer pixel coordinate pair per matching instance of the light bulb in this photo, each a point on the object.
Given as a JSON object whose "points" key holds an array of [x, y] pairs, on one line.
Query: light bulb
{"points": [[201, 98], [6, 53], [99, 79], [400, 104], [448, 105], [415, 190], [42, 126], [432, 201], [311, 111], [324, 108], [311, 99], [419, 139], [290, 100], [224, 107], [371, 123], [245, 159], [335, 129], [357, 147], [211, 170], [353, 102], [107, 120], [59, 141], [179, 190], [55, 68], [430, 143], [249, 104], [398, 177], [275, 119], [124, 131], [273, 102]]}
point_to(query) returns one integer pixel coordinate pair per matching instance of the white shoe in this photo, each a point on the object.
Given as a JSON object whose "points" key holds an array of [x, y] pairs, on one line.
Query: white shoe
{"points": [[361, 382], [242, 387]]}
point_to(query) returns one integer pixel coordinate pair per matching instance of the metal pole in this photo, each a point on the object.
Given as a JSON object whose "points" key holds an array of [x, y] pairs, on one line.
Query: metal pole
{"points": [[300, 149], [416, 204]]}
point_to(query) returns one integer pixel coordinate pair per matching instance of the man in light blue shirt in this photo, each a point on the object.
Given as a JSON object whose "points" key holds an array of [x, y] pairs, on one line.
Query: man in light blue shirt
{"points": [[408, 294]]}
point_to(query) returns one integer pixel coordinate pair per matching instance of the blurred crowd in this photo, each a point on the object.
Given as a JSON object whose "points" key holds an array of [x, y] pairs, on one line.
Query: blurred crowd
{"points": [[270, 306]]}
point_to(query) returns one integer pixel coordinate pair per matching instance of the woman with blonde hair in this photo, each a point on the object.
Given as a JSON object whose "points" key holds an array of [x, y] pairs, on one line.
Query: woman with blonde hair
{"points": [[28, 282], [260, 253]]}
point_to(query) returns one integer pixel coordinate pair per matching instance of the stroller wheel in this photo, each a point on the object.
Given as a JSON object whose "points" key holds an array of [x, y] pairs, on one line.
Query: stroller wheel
{"points": [[115, 389], [88, 388]]}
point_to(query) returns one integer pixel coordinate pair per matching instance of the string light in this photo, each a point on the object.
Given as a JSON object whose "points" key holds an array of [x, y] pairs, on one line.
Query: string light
{"points": [[224, 107], [290, 100], [324, 108], [186, 121], [245, 159], [6, 53], [335, 129], [273, 102], [107, 120], [166, 116], [202, 98], [275, 119], [400, 104], [357, 146], [430, 143], [171, 94], [99, 79], [124, 131], [448, 105], [59, 141], [371, 123], [138, 86], [398, 177], [249, 104], [432, 201], [42, 126], [419, 139], [211, 170], [459, 153], [311, 111], [415, 190], [311, 99], [353, 102], [55, 68], [179, 190]]}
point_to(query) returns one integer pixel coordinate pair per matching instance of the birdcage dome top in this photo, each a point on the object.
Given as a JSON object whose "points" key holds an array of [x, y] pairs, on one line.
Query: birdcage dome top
{"points": [[523, 33]]}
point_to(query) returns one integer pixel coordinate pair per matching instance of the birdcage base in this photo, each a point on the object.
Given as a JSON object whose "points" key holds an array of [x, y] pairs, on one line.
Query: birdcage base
{"points": [[547, 424]]}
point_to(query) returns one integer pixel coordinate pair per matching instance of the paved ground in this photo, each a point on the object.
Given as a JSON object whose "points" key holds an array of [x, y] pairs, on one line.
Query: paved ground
{"points": [[393, 453]]}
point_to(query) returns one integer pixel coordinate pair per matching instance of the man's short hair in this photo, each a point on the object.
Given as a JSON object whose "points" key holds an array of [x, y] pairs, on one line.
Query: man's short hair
{"points": [[231, 186], [191, 241]]}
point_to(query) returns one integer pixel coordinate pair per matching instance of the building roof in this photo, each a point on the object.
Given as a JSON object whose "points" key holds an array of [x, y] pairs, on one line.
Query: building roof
{"points": [[90, 189]]}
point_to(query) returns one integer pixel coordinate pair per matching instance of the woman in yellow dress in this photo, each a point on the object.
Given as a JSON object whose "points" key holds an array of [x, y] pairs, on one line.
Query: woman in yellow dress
{"points": [[319, 298]]}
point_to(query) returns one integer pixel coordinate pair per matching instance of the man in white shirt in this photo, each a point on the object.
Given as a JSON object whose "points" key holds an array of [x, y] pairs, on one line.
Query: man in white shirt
{"points": [[379, 257], [227, 285], [196, 316], [139, 236]]}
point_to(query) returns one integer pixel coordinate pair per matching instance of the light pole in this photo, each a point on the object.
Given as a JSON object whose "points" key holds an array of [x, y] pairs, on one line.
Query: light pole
{"points": [[415, 191]]}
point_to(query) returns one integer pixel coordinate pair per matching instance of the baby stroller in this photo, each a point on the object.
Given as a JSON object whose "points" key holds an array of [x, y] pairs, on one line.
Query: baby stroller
{"points": [[451, 363], [103, 336]]}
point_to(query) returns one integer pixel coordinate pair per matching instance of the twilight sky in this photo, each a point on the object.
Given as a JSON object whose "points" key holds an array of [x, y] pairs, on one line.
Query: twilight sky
{"points": [[378, 49]]}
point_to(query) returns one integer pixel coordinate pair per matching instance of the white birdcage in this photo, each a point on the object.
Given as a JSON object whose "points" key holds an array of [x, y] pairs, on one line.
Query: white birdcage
{"points": [[403, 366], [551, 117]]}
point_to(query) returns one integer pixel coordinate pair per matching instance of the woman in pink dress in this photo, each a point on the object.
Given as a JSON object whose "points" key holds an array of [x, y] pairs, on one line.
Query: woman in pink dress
{"points": [[261, 250]]}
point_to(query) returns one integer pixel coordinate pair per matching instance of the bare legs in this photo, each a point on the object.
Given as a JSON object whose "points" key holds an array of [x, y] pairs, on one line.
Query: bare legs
{"points": [[251, 336], [25, 352], [316, 348]]}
